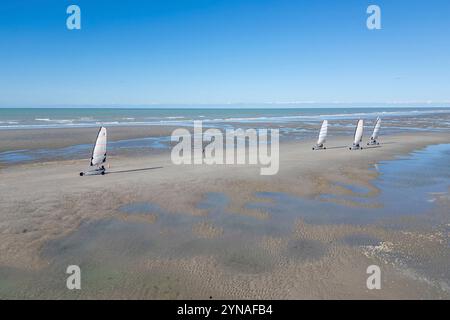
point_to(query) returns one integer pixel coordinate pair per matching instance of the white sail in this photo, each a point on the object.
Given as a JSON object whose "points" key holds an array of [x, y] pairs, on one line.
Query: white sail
{"points": [[99, 152], [323, 133], [359, 132], [376, 129]]}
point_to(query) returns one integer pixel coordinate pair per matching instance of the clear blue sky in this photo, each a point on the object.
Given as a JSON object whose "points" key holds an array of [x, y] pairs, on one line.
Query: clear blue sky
{"points": [[166, 51]]}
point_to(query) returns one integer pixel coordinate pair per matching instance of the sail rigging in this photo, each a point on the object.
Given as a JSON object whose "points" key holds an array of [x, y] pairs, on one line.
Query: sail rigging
{"points": [[376, 129], [99, 152], [358, 133], [323, 133]]}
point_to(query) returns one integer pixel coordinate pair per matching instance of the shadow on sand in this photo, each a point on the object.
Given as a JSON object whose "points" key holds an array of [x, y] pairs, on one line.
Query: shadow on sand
{"points": [[346, 147], [133, 170], [390, 142], [338, 147]]}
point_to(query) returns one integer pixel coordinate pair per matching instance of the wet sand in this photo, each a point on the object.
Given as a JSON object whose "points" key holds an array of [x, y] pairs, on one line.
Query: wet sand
{"points": [[18, 139], [166, 231]]}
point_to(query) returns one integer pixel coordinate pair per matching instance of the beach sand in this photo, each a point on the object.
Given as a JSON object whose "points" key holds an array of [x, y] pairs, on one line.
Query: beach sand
{"points": [[18, 139], [152, 230]]}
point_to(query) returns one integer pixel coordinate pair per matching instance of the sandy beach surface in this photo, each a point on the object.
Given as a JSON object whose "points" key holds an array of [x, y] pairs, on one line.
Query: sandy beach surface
{"points": [[150, 229], [17, 139]]}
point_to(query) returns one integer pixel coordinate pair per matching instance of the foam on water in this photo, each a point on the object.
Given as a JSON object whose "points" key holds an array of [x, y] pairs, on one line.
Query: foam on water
{"points": [[26, 118]]}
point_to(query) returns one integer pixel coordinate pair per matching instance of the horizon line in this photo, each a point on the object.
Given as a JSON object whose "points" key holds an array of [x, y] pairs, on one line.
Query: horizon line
{"points": [[293, 104]]}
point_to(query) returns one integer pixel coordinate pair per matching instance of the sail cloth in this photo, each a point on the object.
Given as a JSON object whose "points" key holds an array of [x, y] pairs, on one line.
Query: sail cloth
{"points": [[359, 132], [376, 129], [323, 133], [99, 152]]}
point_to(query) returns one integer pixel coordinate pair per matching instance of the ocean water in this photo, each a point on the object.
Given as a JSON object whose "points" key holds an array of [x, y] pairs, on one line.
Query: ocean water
{"points": [[26, 118]]}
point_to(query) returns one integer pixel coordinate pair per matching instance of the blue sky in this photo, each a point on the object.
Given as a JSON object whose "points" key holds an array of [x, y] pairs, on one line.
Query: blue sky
{"points": [[215, 52]]}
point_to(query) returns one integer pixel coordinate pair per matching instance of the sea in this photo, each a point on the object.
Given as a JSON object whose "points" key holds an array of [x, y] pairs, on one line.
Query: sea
{"points": [[35, 118]]}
